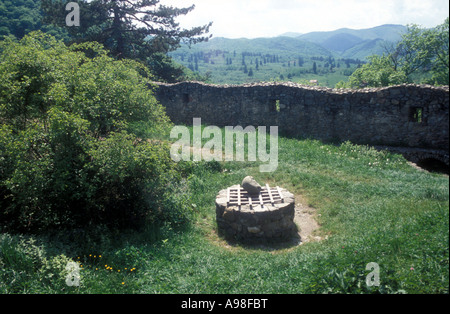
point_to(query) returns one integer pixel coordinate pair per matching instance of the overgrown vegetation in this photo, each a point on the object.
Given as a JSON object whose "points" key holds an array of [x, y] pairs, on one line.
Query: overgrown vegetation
{"points": [[74, 139], [237, 61], [19, 17], [372, 207], [421, 56], [86, 177]]}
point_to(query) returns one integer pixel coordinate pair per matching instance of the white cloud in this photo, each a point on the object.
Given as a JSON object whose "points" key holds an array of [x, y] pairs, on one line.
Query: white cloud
{"points": [[266, 18]]}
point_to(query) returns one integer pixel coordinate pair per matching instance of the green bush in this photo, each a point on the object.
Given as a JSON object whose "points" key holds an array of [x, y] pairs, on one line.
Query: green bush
{"points": [[69, 155]]}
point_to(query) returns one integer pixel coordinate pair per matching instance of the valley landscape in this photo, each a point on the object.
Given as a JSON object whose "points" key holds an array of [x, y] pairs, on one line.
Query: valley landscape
{"points": [[118, 141], [325, 57]]}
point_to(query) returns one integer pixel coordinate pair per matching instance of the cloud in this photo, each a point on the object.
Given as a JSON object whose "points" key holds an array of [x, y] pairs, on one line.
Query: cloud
{"points": [[267, 18]]}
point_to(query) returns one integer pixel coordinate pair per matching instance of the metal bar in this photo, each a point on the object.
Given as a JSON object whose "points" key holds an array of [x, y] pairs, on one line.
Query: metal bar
{"points": [[281, 194], [270, 194], [239, 196]]}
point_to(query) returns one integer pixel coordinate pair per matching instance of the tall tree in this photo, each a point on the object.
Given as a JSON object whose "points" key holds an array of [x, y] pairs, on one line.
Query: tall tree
{"points": [[128, 29], [421, 56], [19, 17], [423, 50]]}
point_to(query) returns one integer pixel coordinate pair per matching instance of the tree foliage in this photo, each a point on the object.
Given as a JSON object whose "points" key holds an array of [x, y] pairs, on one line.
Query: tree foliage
{"points": [[19, 17], [421, 53], [377, 73], [69, 155], [128, 29]]}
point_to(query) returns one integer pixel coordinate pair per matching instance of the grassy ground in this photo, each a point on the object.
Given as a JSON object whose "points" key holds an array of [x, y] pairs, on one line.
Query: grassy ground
{"points": [[372, 207]]}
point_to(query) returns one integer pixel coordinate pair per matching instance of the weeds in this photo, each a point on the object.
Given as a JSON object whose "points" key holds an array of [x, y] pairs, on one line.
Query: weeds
{"points": [[373, 207]]}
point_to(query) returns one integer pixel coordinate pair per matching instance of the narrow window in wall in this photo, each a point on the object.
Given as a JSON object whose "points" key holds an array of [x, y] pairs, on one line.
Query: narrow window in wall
{"points": [[275, 105], [416, 114], [186, 98]]}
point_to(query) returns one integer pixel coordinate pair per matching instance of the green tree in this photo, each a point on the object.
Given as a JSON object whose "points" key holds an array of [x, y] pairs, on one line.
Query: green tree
{"points": [[128, 29], [19, 17], [73, 139], [423, 51], [439, 47], [420, 53], [378, 72]]}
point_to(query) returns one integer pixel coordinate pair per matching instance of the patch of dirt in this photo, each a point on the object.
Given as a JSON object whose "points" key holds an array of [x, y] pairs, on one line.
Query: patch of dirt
{"points": [[305, 221]]}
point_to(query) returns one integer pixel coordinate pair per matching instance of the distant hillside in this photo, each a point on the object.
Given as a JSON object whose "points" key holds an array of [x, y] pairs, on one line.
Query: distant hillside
{"points": [[356, 43], [364, 49], [388, 32], [275, 45], [325, 57], [341, 42]]}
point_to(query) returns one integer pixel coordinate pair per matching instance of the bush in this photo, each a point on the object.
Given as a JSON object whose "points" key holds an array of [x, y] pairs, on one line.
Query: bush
{"points": [[68, 154]]}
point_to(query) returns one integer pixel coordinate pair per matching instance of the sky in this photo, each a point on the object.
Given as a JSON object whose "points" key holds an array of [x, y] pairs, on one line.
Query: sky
{"points": [[269, 18]]}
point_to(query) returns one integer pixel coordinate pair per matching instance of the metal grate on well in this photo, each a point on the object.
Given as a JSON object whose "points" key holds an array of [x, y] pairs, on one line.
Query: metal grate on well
{"points": [[240, 197]]}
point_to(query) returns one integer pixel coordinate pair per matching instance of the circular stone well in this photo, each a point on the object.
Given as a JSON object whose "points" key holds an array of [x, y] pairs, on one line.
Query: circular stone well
{"points": [[264, 217]]}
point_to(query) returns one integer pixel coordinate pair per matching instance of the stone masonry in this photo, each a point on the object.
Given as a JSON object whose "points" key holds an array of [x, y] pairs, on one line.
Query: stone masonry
{"points": [[265, 220], [414, 116]]}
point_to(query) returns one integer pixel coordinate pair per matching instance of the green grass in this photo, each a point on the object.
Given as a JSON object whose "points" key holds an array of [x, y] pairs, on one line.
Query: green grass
{"points": [[372, 207]]}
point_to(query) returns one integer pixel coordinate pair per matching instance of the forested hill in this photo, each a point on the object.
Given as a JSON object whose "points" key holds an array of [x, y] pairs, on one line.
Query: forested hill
{"points": [[19, 17], [326, 57], [356, 42]]}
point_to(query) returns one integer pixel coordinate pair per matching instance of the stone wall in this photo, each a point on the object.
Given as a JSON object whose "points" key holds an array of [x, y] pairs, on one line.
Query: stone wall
{"points": [[404, 115]]}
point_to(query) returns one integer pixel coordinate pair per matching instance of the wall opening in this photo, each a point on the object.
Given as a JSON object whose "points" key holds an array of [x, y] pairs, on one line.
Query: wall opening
{"points": [[275, 105], [433, 165], [186, 98], [416, 114]]}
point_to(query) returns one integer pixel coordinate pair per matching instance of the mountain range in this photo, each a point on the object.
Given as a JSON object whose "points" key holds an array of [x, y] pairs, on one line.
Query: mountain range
{"points": [[341, 43], [326, 57], [356, 42]]}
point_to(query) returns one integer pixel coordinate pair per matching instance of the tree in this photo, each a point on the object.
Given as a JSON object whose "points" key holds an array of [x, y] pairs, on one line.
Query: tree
{"points": [[377, 73], [128, 29], [438, 39], [421, 51], [73, 139], [421, 54], [314, 68], [18, 18], [165, 68]]}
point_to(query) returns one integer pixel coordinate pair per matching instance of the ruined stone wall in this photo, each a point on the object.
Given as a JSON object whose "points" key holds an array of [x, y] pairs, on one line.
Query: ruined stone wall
{"points": [[404, 115]]}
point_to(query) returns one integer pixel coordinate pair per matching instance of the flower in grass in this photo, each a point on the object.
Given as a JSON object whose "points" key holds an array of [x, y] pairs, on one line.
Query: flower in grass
{"points": [[412, 268]]}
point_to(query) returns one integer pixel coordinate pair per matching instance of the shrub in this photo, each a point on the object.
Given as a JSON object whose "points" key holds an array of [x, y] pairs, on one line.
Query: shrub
{"points": [[68, 154]]}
